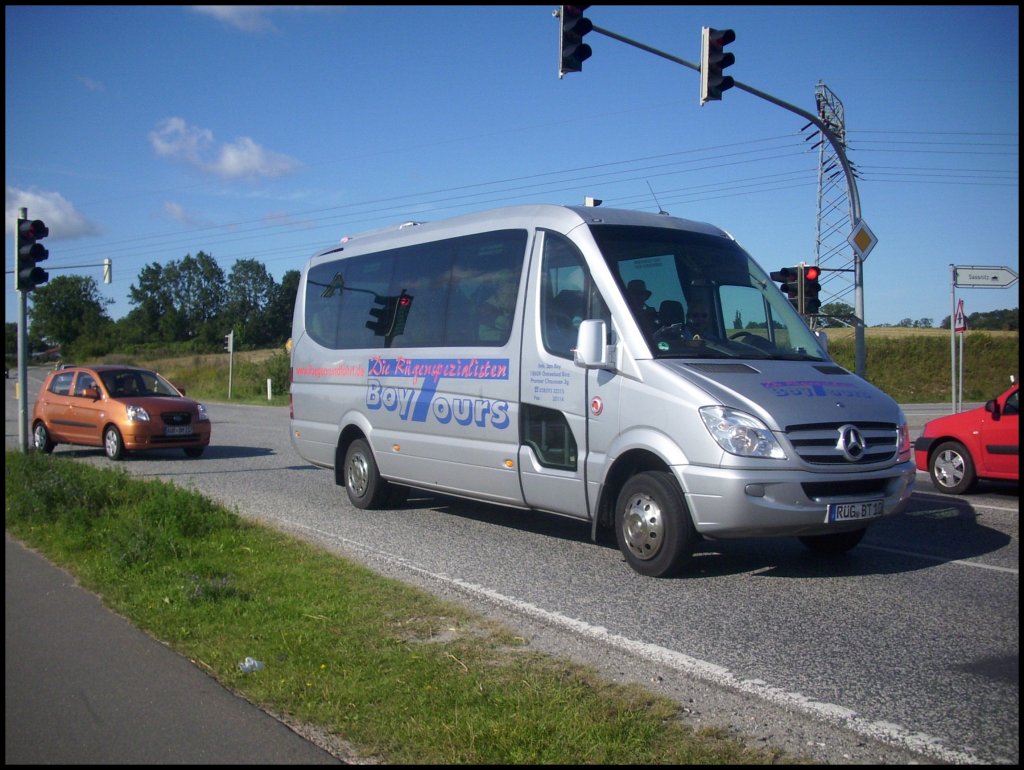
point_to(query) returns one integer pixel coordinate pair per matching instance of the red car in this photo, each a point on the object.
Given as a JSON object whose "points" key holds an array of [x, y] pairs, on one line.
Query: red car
{"points": [[958, 449]]}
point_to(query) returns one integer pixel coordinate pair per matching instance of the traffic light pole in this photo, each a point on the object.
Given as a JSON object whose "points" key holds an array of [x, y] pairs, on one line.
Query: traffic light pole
{"points": [[840, 151], [22, 353]]}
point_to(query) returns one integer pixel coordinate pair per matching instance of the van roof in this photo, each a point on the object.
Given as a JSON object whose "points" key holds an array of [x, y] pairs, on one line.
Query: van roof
{"points": [[553, 216]]}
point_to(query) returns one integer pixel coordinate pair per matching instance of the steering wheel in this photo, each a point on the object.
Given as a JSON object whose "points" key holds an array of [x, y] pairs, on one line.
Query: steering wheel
{"points": [[754, 340], [673, 330], [743, 335]]}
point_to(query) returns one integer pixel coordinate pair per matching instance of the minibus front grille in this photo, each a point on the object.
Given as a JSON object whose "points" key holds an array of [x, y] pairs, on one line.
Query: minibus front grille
{"points": [[819, 444]]}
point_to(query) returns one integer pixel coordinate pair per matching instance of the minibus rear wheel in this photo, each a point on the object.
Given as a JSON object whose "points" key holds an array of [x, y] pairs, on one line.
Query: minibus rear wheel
{"points": [[653, 526]]}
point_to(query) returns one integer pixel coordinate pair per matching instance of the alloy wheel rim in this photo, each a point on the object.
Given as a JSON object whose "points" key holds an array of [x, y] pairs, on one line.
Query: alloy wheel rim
{"points": [[643, 527]]}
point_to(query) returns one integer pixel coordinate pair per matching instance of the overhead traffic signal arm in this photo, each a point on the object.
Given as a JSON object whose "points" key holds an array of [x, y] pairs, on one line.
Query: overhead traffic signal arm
{"points": [[28, 252], [714, 59], [572, 51]]}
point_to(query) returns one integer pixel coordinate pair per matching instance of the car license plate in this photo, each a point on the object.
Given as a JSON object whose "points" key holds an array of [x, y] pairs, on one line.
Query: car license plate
{"points": [[178, 430], [869, 509]]}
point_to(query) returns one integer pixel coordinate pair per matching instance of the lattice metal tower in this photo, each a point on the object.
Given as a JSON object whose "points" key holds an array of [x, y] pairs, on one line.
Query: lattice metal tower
{"points": [[832, 252]]}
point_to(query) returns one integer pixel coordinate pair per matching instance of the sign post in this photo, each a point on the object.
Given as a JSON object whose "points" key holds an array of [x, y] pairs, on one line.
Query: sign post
{"points": [[960, 326], [970, 277]]}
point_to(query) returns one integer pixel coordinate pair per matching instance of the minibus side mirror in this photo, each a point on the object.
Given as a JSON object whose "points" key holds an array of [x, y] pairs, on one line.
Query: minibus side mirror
{"points": [[591, 351]]}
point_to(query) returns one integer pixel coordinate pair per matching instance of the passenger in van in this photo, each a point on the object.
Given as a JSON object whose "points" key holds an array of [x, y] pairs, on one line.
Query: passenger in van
{"points": [[637, 293], [495, 314]]}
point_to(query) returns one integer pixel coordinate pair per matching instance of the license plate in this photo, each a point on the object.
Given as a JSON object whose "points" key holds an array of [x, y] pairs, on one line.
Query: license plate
{"points": [[178, 430], [869, 509]]}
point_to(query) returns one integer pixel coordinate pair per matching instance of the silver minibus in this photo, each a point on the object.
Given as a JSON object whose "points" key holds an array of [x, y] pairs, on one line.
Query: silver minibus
{"points": [[637, 371]]}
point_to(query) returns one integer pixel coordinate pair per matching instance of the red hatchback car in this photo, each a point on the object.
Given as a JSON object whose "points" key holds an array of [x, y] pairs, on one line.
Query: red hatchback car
{"points": [[120, 408], [958, 449]]}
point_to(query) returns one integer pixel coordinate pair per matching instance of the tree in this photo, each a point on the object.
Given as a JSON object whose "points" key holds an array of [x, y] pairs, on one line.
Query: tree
{"points": [[835, 315], [191, 291], [150, 300], [994, 320], [197, 292], [282, 307], [67, 308], [250, 292]]}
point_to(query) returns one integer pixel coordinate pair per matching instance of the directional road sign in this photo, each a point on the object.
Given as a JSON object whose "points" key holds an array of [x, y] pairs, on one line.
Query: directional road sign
{"points": [[979, 277]]}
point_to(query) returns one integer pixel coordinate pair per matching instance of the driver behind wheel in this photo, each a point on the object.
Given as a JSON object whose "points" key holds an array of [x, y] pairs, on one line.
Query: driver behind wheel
{"points": [[698, 322]]}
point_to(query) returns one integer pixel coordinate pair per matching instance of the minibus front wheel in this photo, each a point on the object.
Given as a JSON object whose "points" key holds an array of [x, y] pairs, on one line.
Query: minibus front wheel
{"points": [[653, 526]]}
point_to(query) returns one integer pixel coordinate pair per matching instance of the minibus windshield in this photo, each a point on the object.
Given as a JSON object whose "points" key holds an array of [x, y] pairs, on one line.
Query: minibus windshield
{"points": [[695, 295]]}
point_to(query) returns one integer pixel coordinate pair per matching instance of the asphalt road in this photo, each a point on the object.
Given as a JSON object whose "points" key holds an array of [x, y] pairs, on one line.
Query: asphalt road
{"points": [[904, 650]]}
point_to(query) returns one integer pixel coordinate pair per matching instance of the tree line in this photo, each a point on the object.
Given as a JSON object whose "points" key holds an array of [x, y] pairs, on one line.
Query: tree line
{"points": [[188, 305], [839, 314]]}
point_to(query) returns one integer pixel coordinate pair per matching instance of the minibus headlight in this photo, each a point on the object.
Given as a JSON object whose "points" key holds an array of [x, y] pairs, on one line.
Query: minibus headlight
{"points": [[740, 434], [903, 436]]}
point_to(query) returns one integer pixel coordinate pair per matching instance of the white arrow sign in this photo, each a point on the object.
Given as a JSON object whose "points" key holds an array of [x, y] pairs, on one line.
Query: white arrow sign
{"points": [[974, 276]]}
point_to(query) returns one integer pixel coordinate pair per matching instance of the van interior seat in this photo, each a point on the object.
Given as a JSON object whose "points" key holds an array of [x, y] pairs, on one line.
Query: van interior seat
{"points": [[671, 312]]}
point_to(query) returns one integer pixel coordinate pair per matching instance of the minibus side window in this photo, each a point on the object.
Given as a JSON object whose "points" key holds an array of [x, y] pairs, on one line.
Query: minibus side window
{"points": [[454, 291], [565, 289], [547, 433], [485, 287]]}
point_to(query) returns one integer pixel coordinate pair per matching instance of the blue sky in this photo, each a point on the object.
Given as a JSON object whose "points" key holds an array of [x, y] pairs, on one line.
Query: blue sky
{"points": [[145, 134]]}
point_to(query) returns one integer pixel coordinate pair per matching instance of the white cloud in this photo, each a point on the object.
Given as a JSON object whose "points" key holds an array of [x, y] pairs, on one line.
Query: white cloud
{"points": [[176, 139], [245, 158], [177, 212], [248, 18], [241, 159], [252, 18], [90, 84], [60, 216]]}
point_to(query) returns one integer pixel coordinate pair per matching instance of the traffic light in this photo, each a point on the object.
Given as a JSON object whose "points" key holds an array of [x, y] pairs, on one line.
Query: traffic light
{"points": [[229, 341], [383, 315], [28, 252], [402, 307], [390, 315], [789, 280], [714, 59], [812, 304], [572, 51]]}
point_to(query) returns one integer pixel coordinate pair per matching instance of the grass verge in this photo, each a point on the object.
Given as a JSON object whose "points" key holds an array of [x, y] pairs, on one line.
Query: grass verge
{"points": [[397, 673]]}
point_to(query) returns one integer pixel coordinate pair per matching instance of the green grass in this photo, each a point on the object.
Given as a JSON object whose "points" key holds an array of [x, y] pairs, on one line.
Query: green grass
{"points": [[915, 368], [397, 673]]}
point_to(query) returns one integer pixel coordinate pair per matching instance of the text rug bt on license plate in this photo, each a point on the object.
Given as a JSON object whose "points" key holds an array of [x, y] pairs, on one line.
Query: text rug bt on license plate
{"points": [[854, 511]]}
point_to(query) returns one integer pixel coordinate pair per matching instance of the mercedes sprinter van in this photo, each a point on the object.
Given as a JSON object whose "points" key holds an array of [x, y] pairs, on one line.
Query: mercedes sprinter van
{"points": [[634, 370]]}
